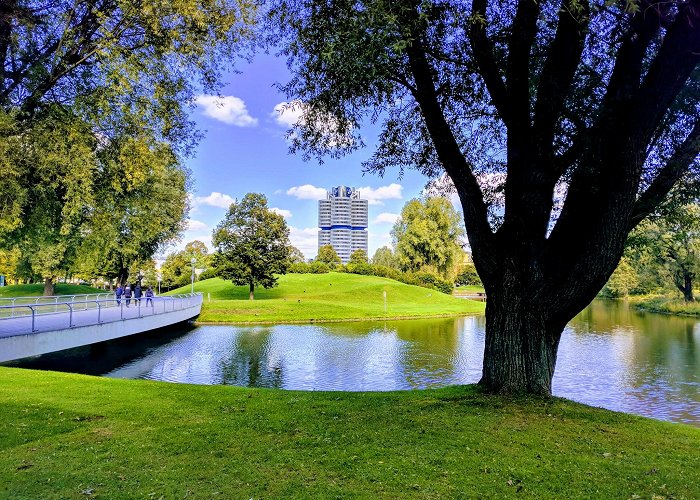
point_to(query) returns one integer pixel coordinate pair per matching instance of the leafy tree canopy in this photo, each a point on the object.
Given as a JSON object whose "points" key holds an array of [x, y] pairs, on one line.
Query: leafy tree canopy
{"points": [[252, 244], [672, 238], [359, 256], [383, 256], [327, 254], [428, 234]]}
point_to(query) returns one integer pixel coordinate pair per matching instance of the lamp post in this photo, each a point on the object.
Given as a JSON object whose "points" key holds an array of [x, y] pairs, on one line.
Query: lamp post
{"points": [[193, 261]]}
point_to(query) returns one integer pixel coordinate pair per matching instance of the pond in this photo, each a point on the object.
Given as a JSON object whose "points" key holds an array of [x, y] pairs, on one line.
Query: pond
{"points": [[609, 356]]}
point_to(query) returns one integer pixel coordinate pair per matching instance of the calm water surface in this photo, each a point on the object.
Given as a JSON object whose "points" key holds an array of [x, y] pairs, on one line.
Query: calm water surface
{"points": [[609, 356]]}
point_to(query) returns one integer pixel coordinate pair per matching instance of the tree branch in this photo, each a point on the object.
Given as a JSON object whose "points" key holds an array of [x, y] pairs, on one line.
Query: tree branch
{"points": [[518, 67], [449, 153], [483, 54], [677, 57], [560, 67], [674, 169]]}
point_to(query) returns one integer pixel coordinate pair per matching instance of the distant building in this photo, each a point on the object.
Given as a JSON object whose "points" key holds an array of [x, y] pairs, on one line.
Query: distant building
{"points": [[342, 217]]}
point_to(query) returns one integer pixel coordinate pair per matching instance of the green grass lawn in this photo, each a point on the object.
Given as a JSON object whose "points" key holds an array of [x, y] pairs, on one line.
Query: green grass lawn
{"points": [[74, 436], [37, 290], [324, 297]]}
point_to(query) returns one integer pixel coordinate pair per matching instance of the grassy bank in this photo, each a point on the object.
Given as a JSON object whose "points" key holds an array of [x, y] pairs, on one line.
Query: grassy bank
{"points": [[37, 290], [666, 305], [72, 436], [324, 297]]}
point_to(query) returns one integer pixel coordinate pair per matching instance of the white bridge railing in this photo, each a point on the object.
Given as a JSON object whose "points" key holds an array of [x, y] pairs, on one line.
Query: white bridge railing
{"points": [[35, 314]]}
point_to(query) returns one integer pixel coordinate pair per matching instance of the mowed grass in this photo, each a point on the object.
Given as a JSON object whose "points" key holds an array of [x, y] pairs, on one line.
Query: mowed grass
{"points": [[301, 298], [37, 290], [74, 436]]}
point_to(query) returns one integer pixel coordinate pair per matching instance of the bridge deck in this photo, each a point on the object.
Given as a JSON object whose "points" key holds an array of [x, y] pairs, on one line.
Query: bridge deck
{"points": [[32, 329]]}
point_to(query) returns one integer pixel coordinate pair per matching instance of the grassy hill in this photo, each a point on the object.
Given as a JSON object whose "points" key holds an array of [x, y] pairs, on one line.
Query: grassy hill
{"points": [[74, 436], [324, 297], [37, 290]]}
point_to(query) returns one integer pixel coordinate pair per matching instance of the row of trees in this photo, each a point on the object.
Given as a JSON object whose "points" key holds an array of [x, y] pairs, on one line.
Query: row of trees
{"points": [[93, 127], [662, 255], [252, 248]]}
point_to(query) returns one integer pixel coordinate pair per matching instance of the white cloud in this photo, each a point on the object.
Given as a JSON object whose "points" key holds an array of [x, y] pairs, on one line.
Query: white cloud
{"points": [[374, 196], [214, 200], [288, 113], [305, 240], [284, 213], [196, 225], [385, 218], [307, 192], [227, 109], [334, 132]]}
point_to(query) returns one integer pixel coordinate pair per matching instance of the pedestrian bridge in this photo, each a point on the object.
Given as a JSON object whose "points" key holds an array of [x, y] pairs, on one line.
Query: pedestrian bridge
{"points": [[30, 326]]}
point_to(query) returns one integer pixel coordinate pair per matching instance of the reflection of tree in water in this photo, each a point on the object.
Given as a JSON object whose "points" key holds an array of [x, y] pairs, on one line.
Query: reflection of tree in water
{"points": [[663, 361], [249, 364], [431, 347]]}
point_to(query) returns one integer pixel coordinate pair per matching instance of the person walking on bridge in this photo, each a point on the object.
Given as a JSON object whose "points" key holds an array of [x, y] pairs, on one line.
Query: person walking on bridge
{"points": [[118, 294], [149, 296], [137, 294], [127, 295]]}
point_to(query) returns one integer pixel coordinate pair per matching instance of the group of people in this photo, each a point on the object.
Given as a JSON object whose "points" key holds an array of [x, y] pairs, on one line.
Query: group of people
{"points": [[128, 291]]}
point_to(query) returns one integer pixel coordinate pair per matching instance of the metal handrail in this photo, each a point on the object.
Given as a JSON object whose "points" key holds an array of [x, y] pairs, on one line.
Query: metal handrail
{"points": [[180, 301]]}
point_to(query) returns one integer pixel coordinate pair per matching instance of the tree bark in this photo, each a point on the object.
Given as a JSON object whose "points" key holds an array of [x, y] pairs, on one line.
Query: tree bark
{"points": [[251, 295], [49, 287], [521, 343], [123, 276], [686, 288]]}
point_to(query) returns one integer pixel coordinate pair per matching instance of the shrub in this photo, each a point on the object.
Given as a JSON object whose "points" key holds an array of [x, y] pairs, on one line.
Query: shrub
{"points": [[208, 273], [306, 268], [468, 276]]}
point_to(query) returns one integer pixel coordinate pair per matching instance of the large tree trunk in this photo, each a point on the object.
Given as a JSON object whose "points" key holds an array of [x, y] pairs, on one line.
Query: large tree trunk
{"points": [[521, 343], [49, 287], [251, 295], [686, 287], [123, 276]]}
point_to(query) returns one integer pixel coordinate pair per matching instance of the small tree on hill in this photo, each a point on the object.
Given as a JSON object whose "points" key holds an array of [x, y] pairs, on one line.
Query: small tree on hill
{"points": [[359, 256], [252, 244], [327, 254]]}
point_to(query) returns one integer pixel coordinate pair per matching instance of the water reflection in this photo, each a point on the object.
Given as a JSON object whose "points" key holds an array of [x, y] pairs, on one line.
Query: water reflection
{"points": [[609, 356]]}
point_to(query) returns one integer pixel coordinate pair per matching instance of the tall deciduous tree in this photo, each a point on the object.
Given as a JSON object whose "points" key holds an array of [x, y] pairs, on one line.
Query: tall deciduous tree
{"points": [[383, 256], [78, 79], [525, 102], [427, 235], [673, 239], [252, 244]]}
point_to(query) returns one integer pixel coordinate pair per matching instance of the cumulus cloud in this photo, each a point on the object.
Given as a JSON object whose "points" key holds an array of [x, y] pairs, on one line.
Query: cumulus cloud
{"points": [[385, 218], [288, 114], [307, 192], [197, 226], [305, 240], [284, 213], [214, 200], [227, 109], [334, 133], [375, 196]]}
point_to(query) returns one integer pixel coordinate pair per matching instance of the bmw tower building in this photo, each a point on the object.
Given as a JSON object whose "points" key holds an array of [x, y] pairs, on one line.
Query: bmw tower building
{"points": [[342, 217]]}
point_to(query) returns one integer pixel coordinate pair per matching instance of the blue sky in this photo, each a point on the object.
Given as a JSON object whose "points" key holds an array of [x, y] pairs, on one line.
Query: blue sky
{"points": [[244, 150]]}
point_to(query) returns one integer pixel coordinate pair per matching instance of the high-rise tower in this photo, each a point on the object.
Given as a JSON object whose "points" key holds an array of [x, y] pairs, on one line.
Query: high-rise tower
{"points": [[342, 217]]}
